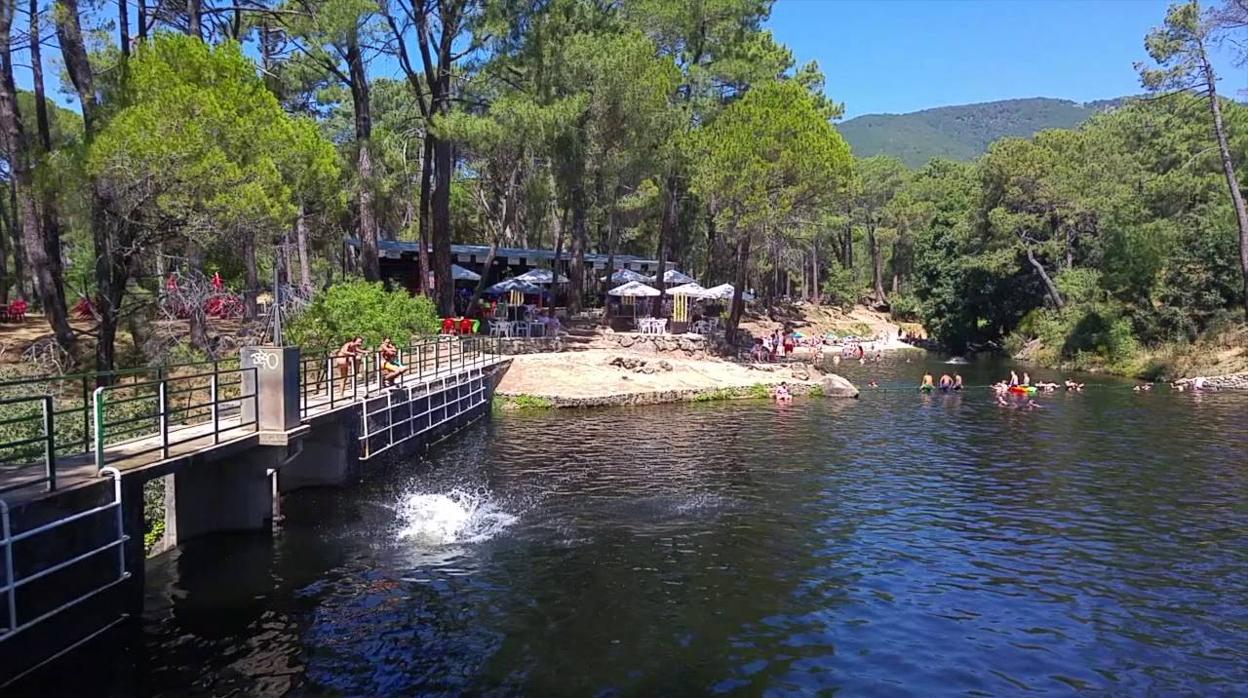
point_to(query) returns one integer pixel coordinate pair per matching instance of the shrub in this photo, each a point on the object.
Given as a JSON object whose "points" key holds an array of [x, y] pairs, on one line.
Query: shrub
{"points": [[841, 288], [904, 307], [363, 308]]}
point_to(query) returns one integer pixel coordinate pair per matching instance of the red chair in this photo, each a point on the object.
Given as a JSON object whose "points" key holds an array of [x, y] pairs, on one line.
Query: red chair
{"points": [[448, 325], [17, 310], [465, 325]]}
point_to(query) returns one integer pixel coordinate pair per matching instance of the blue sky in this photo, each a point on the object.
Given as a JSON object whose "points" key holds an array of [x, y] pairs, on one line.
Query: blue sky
{"points": [[903, 55]]}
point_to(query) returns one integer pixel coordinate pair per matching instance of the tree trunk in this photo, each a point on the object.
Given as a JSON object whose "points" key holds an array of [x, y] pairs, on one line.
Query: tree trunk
{"points": [[483, 282], [49, 216], [1044, 276], [47, 284], [111, 266], [426, 184], [667, 228], [443, 162], [814, 271], [197, 320], [1228, 169], [4, 262], [301, 242], [557, 222], [738, 303], [576, 271], [142, 26], [877, 265], [194, 18], [123, 26], [369, 260], [251, 276], [19, 248]]}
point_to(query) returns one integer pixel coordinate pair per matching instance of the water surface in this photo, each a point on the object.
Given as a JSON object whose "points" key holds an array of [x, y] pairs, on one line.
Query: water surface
{"points": [[894, 545]]}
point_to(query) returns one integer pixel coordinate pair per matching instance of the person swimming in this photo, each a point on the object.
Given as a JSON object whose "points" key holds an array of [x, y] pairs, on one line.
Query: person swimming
{"points": [[1071, 385], [928, 384], [946, 382], [957, 382], [782, 394], [1013, 379], [873, 383], [1026, 379]]}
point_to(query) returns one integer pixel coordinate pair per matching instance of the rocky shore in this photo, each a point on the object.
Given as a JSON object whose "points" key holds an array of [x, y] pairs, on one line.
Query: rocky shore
{"points": [[605, 378], [1232, 381]]}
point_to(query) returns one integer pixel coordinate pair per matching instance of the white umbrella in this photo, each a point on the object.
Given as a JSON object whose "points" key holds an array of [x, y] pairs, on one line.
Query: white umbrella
{"points": [[623, 276], [541, 276], [725, 291], [691, 289], [633, 289], [516, 284], [672, 276], [459, 273]]}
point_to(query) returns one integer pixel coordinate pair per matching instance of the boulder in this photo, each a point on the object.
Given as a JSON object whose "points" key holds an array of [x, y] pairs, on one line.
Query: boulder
{"points": [[836, 386]]}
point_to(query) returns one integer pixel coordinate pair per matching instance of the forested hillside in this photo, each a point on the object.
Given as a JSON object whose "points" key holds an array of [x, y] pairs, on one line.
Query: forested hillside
{"points": [[962, 132]]}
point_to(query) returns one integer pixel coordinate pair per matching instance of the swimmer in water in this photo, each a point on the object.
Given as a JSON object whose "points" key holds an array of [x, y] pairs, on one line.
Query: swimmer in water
{"points": [[873, 384], [1013, 379], [1071, 385], [928, 385], [1001, 401], [1026, 379], [1033, 405], [782, 393], [946, 382], [957, 382]]}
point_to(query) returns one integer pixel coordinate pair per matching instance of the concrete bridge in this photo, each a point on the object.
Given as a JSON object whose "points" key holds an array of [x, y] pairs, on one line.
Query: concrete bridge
{"points": [[226, 440]]}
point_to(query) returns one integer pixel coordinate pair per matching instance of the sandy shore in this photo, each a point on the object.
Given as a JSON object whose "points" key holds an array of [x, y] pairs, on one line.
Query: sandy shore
{"points": [[596, 377]]}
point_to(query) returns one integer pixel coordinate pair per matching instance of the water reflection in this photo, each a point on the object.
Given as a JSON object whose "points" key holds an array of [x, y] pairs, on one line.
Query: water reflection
{"points": [[899, 544]]}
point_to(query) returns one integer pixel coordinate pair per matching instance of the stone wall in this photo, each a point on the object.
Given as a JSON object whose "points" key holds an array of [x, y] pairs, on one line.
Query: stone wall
{"points": [[691, 345], [1232, 381]]}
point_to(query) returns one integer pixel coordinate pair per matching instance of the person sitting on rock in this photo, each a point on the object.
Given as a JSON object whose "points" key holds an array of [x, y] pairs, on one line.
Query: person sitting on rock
{"points": [[781, 393]]}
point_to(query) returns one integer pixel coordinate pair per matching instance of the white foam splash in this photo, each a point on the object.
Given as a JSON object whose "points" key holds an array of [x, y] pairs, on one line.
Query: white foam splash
{"points": [[457, 516]]}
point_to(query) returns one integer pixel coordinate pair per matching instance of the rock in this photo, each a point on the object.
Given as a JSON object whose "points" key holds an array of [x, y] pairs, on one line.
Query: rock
{"points": [[836, 386], [665, 365], [800, 373]]}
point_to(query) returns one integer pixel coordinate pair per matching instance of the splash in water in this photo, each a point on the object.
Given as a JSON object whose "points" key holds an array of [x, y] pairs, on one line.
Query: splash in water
{"points": [[457, 516]]}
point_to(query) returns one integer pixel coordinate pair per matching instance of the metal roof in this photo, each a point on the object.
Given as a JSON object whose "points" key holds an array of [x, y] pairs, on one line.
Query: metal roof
{"points": [[395, 249]]}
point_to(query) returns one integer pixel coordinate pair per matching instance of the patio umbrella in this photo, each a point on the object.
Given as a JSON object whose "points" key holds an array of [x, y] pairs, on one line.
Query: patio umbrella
{"points": [[459, 273], [672, 276], [542, 276], [691, 289], [623, 276], [633, 289], [509, 285], [725, 291]]}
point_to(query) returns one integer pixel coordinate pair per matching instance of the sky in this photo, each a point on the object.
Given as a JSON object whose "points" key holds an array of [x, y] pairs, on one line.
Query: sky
{"points": [[896, 56]]}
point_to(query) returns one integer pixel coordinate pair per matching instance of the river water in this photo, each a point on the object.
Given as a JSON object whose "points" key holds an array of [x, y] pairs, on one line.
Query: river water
{"points": [[894, 545]]}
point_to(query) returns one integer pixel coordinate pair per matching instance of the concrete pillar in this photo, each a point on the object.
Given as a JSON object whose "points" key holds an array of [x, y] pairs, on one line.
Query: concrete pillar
{"points": [[329, 456], [227, 495], [276, 385]]}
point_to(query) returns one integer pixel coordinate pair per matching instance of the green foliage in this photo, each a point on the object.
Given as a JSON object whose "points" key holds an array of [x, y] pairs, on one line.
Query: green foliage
{"points": [[904, 307], [200, 145], [841, 288], [962, 132], [1082, 336], [361, 308], [521, 402]]}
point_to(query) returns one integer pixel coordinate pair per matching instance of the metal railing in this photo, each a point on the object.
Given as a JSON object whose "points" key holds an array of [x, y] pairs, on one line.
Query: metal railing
{"points": [[14, 622], [30, 441], [148, 420], [392, 416], [327, 380]]}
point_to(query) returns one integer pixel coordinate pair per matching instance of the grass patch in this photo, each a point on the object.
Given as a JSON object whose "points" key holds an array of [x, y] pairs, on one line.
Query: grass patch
{"points": [[521, 402]]}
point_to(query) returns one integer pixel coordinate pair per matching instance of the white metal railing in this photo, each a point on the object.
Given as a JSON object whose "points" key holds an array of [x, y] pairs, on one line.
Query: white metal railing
{"points": [[14, 623], [424, 421]]}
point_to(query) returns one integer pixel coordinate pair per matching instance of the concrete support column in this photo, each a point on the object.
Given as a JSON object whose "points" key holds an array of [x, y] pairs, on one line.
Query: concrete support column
{"points": [[330, 456], [276, 385], [233, 495]]}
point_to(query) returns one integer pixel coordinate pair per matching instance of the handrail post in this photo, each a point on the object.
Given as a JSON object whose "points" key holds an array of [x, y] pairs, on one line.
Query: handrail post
{"points": [[6, 531], [329, 366], [49, 431], [216, 421], [97, 402], [86, 415], [162, 404]]}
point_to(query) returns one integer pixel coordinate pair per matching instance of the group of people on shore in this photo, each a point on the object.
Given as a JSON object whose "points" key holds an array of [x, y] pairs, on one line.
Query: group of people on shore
{"points": [[769, 347]]}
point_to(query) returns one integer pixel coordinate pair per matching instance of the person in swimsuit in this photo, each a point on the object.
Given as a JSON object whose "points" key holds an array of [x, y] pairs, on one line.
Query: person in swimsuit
{"points": [[781, 393], [946, 383], [1026, 379], [348, 358], [391, 369], [1013, 379], [957, 382], [928, 385]]}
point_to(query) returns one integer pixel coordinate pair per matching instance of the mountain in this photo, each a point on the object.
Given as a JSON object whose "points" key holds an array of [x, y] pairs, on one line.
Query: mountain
{"points": [[962, 132]]}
